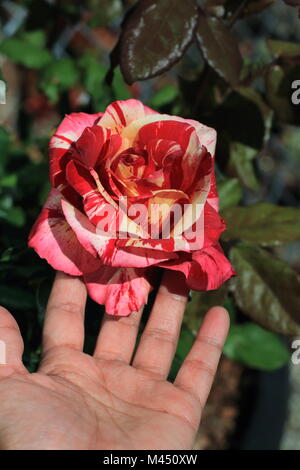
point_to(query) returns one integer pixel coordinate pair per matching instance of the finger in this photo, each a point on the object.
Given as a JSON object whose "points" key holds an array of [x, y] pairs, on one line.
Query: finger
{"points": [[11, 345], [198, 370], [117, 337], [159, 339], [64, 318]]}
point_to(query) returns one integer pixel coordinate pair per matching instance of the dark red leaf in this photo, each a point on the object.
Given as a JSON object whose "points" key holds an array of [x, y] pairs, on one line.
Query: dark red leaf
{"points": [[292, 3], [155, 35], [220, 48]]}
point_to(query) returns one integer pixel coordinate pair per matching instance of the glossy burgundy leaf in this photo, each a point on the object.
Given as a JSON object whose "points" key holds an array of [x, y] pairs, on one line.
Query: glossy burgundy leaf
{"points": [[218, 7], [292, 3], [220, 48], [154, 37], [256, 6], [266, 288], [262, 223]]}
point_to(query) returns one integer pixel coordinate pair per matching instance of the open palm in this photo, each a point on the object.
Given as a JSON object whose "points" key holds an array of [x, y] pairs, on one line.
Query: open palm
{"points": [[114, 399]]}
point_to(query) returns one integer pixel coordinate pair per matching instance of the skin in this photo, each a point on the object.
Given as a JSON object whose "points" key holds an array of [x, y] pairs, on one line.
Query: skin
{"points": [[114, 399]]}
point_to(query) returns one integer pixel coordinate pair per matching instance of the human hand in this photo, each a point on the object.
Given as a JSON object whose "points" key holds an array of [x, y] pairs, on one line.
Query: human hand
{"points": [[109, 400]]}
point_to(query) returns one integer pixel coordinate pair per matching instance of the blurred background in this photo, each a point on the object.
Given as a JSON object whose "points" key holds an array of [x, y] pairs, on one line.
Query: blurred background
{"points": [[234, 68]]}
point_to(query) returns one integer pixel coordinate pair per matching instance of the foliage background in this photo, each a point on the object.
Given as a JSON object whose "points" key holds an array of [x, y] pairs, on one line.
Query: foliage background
{"points": [[229, 64]]}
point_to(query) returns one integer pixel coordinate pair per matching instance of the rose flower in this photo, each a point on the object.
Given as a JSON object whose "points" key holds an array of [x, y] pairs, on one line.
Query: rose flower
{"points": [[132, 190]]}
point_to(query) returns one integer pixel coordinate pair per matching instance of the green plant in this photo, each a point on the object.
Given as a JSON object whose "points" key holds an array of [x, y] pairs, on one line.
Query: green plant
{"points": [[246, 97]]}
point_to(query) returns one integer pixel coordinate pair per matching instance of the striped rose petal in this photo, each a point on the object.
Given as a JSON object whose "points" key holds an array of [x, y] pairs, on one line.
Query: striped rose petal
{"points": [[132, 190]]}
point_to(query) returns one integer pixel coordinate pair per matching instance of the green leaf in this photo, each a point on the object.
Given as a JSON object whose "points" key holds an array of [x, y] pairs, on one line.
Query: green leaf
{"points": [[27, 50], [266, 289], [119, 87], [279, 102], [93, 72], [6, 255], [283, 48], [231, 308], [6, 203], [240, 164], [219, 48], [44, 192], [163, 96], [8, 181], [4, 147], [15, 216], [256, 347], [230, 192], [36, 38], [200, 303], [154, 36], [262, 223], [16, 298], [51, 90], [185, 343], [59, 76], [103, 12]]}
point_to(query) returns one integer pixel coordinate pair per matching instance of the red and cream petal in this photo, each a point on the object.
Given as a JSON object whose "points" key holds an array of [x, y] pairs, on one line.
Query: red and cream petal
{"points": [[160, 206], [208, 138], [195, 211], [102, 245], [121, 114], [206, 269], [122, 291], [166, 246], [214, 225], [80, 178], [67, 132], [83, 183], [124, 223], [91, 145], [169, 130], [53, 239], [163, 152], [195, 161], [97, 202], [208, 228], [213, 197], [207, 135]]}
